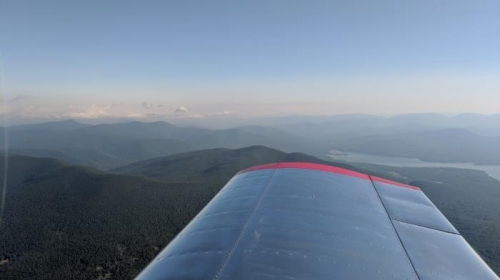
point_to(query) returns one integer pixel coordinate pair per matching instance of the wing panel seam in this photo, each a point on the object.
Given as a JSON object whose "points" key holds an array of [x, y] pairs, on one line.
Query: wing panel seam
{"points": [[395, 231], [445, 231], [243, 229]]}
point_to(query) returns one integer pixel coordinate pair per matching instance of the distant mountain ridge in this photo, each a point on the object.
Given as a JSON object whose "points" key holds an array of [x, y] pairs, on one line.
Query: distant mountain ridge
{"points": [[371, 125], [66, 125], [444, 145], [107, 146], [472, 138]]}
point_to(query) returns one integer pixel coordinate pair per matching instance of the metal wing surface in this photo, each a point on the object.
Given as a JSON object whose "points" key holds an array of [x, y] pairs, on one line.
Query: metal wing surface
{"points": [[311, 221]]}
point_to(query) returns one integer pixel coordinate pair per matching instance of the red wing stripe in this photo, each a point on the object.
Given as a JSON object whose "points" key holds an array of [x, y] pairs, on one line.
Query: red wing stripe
{"points": [[325, 168], [310, 166], [385, 181], [260, 167]]}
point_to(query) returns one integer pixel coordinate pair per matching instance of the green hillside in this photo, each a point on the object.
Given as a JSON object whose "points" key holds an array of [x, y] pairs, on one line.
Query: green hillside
{"points": [[71, 222], [214, 164]]}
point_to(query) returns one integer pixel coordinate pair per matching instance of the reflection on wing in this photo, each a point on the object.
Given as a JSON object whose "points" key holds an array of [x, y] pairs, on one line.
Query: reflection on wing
{"points": [[311, 221]]}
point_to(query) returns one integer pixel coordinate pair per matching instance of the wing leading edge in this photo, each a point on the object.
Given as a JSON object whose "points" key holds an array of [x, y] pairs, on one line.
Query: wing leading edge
{"points": [[312, 221]]}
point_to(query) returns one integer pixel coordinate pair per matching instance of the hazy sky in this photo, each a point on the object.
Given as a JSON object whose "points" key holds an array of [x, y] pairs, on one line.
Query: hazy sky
{"points": [[95, 59]]}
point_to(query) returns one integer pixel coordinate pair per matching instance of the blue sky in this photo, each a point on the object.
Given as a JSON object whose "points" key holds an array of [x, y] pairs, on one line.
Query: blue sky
{"points": [[106, 58]]}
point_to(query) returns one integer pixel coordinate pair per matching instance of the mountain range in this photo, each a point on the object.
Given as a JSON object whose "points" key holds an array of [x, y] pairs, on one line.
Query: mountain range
{"points": [[108, 146], [444, 145], [464, 138]]}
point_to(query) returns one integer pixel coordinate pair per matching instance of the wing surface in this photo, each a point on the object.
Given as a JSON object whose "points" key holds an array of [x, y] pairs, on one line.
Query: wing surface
{"points": [[311, 221]]}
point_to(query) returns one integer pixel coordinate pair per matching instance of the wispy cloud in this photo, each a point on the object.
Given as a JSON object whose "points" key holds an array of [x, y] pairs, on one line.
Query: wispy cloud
{"points": [[220, 114], [147, 105], [20, 97], [92, 112], [181, 110]]}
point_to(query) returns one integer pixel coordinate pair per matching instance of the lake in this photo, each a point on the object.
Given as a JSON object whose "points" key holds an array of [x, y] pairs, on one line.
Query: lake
{"points": [[492, 170]]}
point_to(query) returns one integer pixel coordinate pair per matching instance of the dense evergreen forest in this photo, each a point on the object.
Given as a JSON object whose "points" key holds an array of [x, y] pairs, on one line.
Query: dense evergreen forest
{"points": [[78, 223], [72, 222]]}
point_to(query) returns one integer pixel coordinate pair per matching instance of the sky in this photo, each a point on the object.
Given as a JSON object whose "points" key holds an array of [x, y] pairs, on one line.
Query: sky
{"points": [[202, 59]]}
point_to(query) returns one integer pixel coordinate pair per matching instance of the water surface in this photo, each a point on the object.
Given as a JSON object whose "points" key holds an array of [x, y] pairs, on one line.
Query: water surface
{"points": [[492, 170]]}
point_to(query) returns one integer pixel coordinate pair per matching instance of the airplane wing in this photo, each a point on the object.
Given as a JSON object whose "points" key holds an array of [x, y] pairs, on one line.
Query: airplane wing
{"points": [[295, 220]]}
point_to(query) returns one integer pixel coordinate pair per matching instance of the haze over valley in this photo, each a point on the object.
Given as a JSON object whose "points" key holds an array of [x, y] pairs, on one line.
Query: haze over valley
{"points": [[464, 138]]}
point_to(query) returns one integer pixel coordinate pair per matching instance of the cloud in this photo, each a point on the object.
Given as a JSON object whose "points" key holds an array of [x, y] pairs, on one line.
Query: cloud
{"points": [[92, 112], [222, 113], [181, 110], [20, 97], [147, 105]]}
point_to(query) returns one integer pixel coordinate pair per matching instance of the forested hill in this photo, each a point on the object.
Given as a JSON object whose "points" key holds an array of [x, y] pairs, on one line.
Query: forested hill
{"points": [[215, 164], [71, 222]]}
